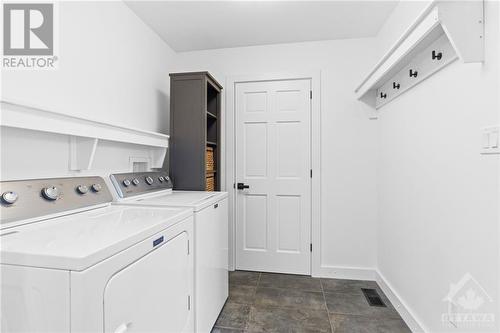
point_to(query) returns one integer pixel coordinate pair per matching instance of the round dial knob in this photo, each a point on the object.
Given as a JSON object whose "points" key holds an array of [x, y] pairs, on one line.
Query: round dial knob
{"points": [[161, 179], [96, 187], [82, 189], [149, 180], [135, 181], [9, 197], [51, 193], [167, 178], [126, 182]]}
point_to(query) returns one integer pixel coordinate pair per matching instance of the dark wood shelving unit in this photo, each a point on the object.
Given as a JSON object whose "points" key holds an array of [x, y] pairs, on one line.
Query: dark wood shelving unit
{"points": [[195, 107]]}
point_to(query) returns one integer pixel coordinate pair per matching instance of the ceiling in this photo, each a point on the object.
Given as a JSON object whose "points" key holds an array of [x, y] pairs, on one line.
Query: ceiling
{"points": [[201, 25]]}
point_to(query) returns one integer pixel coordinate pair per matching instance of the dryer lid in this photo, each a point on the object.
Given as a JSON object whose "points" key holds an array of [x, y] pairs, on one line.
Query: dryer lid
{"points": [[196, 199], [78, 241]]}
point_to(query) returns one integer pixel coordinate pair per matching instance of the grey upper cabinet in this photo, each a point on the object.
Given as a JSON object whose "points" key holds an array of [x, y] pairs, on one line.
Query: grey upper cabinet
{"points": [[195, 125]]}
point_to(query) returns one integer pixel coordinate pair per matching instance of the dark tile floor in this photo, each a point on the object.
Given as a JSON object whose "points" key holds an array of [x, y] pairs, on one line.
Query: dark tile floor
{"points": [[267, 302]]}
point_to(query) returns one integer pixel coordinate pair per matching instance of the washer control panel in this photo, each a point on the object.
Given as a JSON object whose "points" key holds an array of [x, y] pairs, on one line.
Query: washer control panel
{"points": [[134, 183], [26, 199]]}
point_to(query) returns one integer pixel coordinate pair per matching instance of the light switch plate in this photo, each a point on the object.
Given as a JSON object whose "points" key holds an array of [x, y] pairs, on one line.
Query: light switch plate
{"points": [[490, 140]]}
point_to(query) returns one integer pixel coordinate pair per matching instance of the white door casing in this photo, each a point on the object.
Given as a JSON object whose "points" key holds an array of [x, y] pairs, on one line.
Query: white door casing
{"points": [[273, 157]]}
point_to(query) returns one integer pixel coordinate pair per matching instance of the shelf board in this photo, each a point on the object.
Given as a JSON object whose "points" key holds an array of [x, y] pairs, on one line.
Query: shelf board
{"points": [[461, 22], [211, 115], [36, 119], [84, 134], [211, 143]]}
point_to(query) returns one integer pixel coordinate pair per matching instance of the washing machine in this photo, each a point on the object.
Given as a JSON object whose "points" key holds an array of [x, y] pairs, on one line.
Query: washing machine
{"points": [[72, 262], [154, 189]]}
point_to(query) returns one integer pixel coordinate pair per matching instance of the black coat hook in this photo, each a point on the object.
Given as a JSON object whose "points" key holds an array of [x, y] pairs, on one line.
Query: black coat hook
{"points": [[437, 56], [396, 85], [382, 95], [413, 73]]}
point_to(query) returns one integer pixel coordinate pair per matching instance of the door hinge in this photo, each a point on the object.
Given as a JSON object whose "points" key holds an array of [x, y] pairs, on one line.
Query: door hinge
{"points": [[310, 94], [311, 173], [189, 302], [311, 247]]}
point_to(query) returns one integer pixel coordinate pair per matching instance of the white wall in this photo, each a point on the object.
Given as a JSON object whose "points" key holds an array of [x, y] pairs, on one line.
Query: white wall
{"points": [[436, 215], [399, 20], [438, 197], [348, 147], [112, 68]]}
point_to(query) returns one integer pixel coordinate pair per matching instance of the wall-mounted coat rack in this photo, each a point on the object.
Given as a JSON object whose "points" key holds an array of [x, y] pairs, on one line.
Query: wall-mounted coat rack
{"points": [[442, 33]]}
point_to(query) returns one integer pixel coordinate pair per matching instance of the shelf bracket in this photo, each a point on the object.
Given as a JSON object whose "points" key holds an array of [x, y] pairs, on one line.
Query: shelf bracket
{"points": [[81, 152], [463, 23], [157, 156]]}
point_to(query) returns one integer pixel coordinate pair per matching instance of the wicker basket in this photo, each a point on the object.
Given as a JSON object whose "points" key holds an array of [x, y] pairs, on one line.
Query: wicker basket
{"points": [[210, 182], [210, 161]]}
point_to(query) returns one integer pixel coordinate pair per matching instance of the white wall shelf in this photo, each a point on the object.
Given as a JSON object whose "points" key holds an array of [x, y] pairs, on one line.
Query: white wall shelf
{"points": [[443, 32], [84, 135]]}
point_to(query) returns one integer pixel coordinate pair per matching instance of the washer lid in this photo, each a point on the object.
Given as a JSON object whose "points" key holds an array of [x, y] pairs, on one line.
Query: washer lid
{"points": [[196, 199], [78, 241]]}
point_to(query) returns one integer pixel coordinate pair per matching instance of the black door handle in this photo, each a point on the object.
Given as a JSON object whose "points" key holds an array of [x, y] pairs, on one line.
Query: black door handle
{"points": [[241, 186]]}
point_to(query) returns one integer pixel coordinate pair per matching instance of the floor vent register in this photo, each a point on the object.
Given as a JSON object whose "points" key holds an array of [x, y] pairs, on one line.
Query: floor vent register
{"points": [[373, 297]]}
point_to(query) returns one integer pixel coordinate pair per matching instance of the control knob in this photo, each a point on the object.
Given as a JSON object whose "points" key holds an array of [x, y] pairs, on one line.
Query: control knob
{"points": [[135, 181], [149, 180], [126, 183], [96, 187], [9, 197], [161, 179], [51, 193], [82, 189]]}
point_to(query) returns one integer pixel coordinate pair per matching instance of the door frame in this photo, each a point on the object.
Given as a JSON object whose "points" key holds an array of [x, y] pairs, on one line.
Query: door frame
{"points": [[229, 155]]}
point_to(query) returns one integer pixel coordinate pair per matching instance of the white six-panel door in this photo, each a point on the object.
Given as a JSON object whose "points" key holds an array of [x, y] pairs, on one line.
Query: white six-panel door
{"points": [[273, 217]]}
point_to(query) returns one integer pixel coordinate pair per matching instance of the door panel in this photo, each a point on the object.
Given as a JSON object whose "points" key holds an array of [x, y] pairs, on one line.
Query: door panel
{"points": [[255, 101], [163, 305], [256, 154], [287, 157], [289, 233], [255, 222], [273, 158]]}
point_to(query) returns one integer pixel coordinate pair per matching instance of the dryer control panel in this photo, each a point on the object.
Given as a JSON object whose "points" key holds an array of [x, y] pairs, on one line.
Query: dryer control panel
{"points": [[135, 183], [35, 198]]}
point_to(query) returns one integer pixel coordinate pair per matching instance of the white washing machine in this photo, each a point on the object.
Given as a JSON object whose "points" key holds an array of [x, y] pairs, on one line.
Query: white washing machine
{"points": [[154, 189], [72, 262]]}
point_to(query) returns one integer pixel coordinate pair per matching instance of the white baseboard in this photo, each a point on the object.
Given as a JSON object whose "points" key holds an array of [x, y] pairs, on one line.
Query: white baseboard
{"points": [[404, 311], [349, 273], [372, 274]]}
